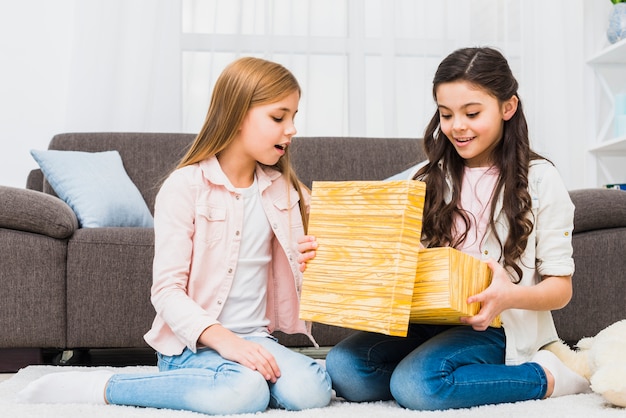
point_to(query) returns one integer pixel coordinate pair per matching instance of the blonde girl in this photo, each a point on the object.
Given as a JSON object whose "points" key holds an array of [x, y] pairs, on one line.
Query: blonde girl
{"points": [[226, 275]]}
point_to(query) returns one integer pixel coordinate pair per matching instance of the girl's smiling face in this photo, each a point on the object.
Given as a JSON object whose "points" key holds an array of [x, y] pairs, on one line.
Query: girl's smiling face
{"points": [[473, 120]]}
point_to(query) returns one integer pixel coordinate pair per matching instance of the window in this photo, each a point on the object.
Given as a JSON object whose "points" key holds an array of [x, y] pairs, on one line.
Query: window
{"points": [[365, 66]]}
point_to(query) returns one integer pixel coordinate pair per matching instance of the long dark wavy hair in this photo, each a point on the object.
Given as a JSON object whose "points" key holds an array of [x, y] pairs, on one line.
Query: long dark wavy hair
{"points": [[487, 69]]}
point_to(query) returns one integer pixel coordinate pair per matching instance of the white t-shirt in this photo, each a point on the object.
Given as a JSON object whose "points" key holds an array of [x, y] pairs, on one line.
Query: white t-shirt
{"points": [[244, 310]]}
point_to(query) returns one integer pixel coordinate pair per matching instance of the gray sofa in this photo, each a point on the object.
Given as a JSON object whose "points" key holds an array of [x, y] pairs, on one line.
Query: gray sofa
{"points": [[66, 287]]}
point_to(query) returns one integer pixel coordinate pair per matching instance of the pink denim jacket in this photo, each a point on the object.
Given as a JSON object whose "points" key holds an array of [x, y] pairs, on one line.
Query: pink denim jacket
{"points": [[197, 224]]}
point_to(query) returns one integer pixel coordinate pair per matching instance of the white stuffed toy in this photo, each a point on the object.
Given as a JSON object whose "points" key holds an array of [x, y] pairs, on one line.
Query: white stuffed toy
{"points": [[601, 360]]}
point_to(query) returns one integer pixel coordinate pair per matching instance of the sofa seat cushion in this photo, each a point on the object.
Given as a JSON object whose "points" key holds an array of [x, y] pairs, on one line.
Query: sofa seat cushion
{"points": [[32, 273], [599, 298], [109, 275]]}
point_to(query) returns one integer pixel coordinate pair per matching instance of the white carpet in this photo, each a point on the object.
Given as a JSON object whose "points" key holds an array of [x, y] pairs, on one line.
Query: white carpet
{"points": [[582, 406]]}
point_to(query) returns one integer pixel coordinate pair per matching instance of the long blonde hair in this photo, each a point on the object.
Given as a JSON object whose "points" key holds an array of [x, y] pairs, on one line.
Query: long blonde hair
{"points": [[244, 83]]}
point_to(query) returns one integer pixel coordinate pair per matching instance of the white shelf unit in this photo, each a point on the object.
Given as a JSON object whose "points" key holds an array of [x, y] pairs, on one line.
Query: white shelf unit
{"points": [[608, 150]]}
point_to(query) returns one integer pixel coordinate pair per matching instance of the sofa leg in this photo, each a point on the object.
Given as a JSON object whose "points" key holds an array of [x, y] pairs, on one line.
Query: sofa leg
{"points": [[66, 357], [71, 357]]}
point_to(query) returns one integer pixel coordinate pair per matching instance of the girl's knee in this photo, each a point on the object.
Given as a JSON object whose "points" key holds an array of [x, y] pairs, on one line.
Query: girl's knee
{"points": [[249, 393], [318, 386], [309, 388], [300, 399], [412, 391], [339, 362], [253, 393], [337, 354], [337, 366]]}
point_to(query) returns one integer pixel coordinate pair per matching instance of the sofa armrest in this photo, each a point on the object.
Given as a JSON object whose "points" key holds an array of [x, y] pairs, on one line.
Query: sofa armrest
{"points": [[598, 209], [35, 181], [37, 212]]}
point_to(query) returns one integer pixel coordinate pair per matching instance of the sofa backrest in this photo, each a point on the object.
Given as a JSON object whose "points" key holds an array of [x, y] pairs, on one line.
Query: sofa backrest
{"points": [[149, 157], [353, 158]]}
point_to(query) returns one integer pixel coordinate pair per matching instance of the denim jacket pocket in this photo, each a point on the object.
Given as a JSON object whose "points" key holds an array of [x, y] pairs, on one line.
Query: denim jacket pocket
{"points": [[290, 203], [210, 223]]}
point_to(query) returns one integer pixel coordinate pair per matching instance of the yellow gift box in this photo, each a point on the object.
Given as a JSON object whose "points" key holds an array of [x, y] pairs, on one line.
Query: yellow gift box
{"points": [[368, 272], [368, 234], [445, 278]]}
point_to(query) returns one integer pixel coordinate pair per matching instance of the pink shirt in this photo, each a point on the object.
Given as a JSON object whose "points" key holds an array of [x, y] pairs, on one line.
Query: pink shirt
{"points": [[476, 196], [197, 224]]}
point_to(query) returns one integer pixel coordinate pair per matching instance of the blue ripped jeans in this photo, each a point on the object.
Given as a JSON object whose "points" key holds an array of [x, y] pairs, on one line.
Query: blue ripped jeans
{"points": [[433, 368], [207, 383]]}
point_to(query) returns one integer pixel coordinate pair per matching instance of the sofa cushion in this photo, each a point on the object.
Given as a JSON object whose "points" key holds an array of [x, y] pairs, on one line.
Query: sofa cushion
{"points": [[95, 185], [109, 275], [599, 298], [32, 273], [36, 212], [352, 158], [598, 209]]}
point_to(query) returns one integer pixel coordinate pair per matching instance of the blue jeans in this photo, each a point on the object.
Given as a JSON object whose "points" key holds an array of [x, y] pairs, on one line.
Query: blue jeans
{"points": [[207, 383], [433, 368]]}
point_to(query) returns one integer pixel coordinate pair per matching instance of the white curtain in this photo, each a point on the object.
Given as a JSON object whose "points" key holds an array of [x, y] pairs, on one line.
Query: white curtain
{"points": [[125, 66], [365, 66]]}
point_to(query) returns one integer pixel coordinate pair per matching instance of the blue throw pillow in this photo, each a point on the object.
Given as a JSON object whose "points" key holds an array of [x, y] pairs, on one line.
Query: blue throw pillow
{"points": [[96, 186]]}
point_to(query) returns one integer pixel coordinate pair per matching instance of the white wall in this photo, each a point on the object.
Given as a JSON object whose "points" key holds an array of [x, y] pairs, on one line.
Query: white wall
{"points": [[77, 65], [55, 66], [552, 85], [35, 41]]}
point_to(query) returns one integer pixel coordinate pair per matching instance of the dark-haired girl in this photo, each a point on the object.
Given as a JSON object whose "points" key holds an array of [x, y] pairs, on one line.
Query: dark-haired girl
{"points": [[490, 196]]}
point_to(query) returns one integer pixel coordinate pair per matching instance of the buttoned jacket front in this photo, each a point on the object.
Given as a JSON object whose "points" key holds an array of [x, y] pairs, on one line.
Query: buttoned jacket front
{"points": [[198, 220]]}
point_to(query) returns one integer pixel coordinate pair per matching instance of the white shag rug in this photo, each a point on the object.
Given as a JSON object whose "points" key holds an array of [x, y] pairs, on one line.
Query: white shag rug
{"points": [[582, 406]]}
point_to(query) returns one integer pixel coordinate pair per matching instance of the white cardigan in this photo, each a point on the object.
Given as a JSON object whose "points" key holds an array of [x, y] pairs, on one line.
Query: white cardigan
{"points": [[548, 253]]}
